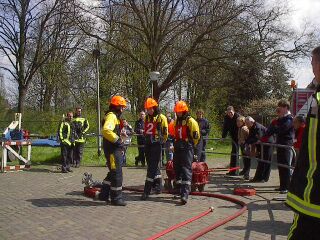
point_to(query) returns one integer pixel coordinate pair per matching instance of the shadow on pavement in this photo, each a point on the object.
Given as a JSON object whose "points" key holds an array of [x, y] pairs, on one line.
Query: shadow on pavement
{"points": [[282, 228], [44, 170], [64, 202], [271, 227], [75, 193], [135, 196]]}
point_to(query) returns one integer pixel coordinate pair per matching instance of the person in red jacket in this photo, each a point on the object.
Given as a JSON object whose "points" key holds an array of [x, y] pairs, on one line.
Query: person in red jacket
{"points": [[299, 124]]}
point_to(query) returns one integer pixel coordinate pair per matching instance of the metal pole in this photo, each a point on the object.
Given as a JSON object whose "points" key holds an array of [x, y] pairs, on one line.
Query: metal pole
{"points": [[97, 53], [154, 77], [151, 88]]}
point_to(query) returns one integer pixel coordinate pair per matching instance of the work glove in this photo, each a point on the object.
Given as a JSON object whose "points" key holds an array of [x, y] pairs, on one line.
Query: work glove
{"points": [[195, 158], [274, 122], [195, 154], [264, 139], [119, 143]]}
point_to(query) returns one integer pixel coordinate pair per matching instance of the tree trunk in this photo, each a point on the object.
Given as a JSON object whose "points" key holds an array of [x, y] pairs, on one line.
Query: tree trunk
{"points": [[22, 98], [48, 97], [156, 92]]}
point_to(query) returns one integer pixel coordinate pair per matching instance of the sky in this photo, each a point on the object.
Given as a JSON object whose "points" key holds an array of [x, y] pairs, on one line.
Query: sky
{"points": [[302, 11]]}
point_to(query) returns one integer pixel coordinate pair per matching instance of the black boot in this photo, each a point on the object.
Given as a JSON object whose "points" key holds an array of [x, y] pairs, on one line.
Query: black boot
{"points": [[147, 189], [144, 197], [118, 202], [105, 193], [184, 200], [158, 186]]}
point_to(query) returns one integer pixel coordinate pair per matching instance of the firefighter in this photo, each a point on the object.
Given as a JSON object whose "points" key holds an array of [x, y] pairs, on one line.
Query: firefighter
{"points": [[81, 126], [113, 150], [67, 141], [304, 190], [156, 134], [187, 136]]}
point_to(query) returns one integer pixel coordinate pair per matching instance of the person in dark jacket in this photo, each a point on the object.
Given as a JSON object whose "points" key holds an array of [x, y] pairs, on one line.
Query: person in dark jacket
{"points": [[243, 134], [256, 131], [139, 129], [204, 127], [299, 124], [66, 137], [126, 134], [304, 191], [282, 127], [170, 140], [230, 126]]}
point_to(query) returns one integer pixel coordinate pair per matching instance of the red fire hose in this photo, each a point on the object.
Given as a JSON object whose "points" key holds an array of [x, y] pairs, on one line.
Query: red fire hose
{"points": [[222, 221], [204, 230], [176, 226], [223, 169]]}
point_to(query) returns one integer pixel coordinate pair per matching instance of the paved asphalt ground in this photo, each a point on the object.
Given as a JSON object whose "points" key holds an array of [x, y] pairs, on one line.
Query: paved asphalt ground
{"points": [[43, 203]]}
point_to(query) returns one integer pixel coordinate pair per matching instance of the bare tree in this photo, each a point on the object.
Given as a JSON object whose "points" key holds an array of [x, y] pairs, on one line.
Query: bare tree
{"points": [[172, 31], [23, 35]]}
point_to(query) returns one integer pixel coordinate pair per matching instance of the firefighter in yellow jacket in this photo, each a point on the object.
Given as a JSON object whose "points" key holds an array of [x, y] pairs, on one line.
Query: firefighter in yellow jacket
{"points": [[187, 136], [67, 141], [304, 191], [156, 134], [81, 127], [113, 151]]}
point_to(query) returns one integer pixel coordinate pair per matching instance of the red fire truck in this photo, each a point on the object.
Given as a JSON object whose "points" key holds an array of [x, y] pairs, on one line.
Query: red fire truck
{"points": [[301, 100]]}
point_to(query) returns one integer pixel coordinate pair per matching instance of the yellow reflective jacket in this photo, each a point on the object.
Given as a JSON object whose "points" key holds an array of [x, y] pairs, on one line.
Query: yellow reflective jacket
{"points": [[81, 126], [111, 128], [65, 133]]}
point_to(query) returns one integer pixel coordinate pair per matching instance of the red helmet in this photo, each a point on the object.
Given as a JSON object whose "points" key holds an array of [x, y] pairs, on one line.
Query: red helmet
{"points": [[150, 103], [118, 101], [181, 106]]}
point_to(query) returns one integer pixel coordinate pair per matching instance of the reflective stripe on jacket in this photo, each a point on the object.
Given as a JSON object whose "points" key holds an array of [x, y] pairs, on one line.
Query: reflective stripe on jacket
{"points": [[65, 133]]}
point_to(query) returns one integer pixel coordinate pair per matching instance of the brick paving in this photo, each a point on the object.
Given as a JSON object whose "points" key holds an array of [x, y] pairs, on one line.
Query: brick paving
{"points": [[44, 204]]}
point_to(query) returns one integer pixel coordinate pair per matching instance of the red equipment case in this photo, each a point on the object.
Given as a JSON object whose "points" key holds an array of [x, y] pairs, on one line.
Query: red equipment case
{"points": [[200, 176]]}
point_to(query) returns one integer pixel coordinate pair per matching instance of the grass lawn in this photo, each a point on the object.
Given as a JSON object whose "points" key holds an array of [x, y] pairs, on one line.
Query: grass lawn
{"points": [[51, 156]]}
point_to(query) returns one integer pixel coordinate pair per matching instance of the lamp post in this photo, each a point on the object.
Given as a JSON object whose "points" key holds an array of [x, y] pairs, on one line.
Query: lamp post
{"points": [[154, 77], [96, 53]]}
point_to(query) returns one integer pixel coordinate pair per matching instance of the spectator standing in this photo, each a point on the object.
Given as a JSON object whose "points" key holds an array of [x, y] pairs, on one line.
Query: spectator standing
{"points": [[139, 129], [299, 124], [256, 131], [169, 142], [243, 134], [204, 127], [282, 127], [126, 134], [230, 126]]}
